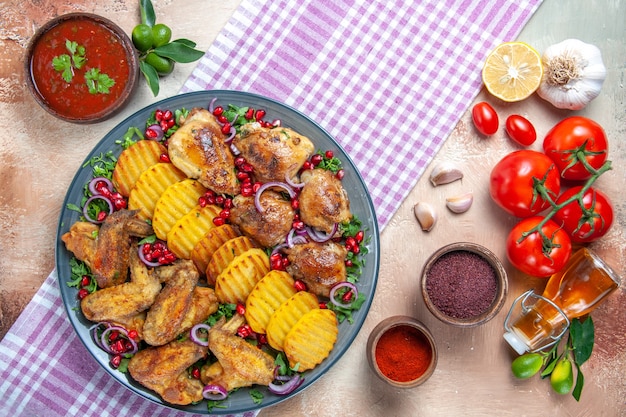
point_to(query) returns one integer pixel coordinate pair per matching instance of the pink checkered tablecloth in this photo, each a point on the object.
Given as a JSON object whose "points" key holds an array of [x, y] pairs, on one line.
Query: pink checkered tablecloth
{"points": [[392, 77]]}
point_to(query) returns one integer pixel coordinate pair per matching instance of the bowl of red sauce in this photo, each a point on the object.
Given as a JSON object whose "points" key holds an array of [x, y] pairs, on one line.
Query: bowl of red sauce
{"points": [[464, 284], [81, 67], [401, 351]]}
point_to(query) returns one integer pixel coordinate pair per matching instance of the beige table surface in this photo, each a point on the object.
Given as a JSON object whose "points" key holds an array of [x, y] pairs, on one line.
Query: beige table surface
{"points": [[39, 156]]}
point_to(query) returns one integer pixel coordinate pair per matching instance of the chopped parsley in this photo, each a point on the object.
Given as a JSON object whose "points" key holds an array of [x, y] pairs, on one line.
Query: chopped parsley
{"points": [[98, 82]]}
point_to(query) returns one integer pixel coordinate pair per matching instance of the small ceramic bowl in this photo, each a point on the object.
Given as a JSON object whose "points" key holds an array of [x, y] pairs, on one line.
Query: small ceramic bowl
{"points": [[464, 284], [401, 351], [69, 56]]}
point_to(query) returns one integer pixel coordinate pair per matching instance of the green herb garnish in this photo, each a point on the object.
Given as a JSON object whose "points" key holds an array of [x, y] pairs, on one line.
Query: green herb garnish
{"points": [[98, 82], [65, 64]]}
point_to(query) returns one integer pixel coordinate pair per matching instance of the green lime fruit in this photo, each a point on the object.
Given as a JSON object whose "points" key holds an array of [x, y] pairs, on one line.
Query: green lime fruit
{"points": [[142, 37], [161, 34], [162, 65], [562, 377], [527, 365]]}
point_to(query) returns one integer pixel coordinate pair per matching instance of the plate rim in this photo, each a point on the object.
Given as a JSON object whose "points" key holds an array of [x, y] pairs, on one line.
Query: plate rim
{"points": [[71, 304]]}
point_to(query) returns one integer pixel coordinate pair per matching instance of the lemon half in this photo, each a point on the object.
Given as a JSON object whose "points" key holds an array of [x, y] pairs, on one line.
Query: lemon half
{"points": [[512, 71]]}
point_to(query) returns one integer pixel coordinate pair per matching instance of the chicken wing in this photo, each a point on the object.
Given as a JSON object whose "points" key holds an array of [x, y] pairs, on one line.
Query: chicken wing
{"points": [[269, 227], [240, 364], [121, 302], [82, 241], [274, 153], [164, 370], [323, 200], [165, 317], [198, 149], [319, 265]]}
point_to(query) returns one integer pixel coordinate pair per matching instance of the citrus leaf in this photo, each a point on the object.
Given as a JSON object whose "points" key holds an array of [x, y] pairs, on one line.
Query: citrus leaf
{"points": [[580, 382], [148, 16], [583, 335], [151, 75], [186, 42], [178, 52]]}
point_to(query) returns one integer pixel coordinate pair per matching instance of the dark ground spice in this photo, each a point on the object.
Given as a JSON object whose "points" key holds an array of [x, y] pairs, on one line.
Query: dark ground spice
{"points": [[461, 284]]}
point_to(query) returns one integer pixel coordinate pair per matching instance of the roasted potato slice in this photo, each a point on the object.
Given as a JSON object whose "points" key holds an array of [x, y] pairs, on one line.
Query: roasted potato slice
{"points": [[151, 184], [176, 201], [266, 296], [236, 282], [225, 254], [311, 339], [209, 243], [133, 161], [190, 228], [287, 315]]}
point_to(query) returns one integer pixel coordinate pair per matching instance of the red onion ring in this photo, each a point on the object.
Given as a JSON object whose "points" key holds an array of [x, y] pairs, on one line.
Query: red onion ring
{"points": [[262, 188], [234, 149], [287, 387], [279, 247], [231, 135], [336, 287], [142, 256], [292, 184], [214, 392], [95, 181], [158, 130], [319, 236], [194, 334], [86, 207], [124, 332]]}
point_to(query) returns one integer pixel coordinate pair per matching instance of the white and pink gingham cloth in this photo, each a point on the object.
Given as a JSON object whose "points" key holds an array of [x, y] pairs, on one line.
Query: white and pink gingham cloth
{"points": [[389, 79]]}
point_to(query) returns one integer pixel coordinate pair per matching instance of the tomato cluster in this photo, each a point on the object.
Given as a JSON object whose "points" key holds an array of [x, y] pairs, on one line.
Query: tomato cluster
{"points": [[527, 184]]}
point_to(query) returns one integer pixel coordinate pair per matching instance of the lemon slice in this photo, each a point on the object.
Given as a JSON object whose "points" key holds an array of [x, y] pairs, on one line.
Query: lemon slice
{"points": [[512, 71]]}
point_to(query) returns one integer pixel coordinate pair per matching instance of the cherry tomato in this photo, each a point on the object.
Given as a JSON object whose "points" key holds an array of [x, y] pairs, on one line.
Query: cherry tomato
{"points": [[520, 130], [512, 181], [485, 118], [573, 140], [538, 254], [590, 225]]}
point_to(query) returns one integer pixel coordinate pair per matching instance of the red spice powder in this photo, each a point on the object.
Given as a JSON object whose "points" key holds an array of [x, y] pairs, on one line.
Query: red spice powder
{"points": [[461, 284], [403, 353]]}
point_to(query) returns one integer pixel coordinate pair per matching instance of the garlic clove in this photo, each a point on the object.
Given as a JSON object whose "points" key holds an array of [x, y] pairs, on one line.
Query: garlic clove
{"points": [[425, 215], [460, 203], [444, 173]]}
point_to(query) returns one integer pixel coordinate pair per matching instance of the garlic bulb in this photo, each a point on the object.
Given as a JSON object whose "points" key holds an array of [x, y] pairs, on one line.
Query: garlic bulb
{"points": [[573, 73]]}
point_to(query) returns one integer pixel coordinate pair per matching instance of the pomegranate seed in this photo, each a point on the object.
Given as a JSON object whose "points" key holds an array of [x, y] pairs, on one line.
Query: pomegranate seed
{"points": [[340, 174], [116, 361], [101, 216], [218, 111], [119, 204], [222, 119], [295, 204], [359, 236], [285, 262], [356, 249], [260, 114], [307, 165], [323, 305], [256, 186], [298, 225], [299, 285], [168, 115], [261, 339], [242, 175], [250, 113], [219, 200], [346, 297], [85, 280], [163, 124], [348, 263], [150, 134], [195, 373], [219, 221], [170, 123], [239, 161], [246, 167], [228, 203], [202, 201], [226, 128], [82, 293], [247, 191], [158, 115], [350, 242], [244, 331], [225, 214], [133, 334], [276, 264], [329, 154], [316, 159], [240, 309]]}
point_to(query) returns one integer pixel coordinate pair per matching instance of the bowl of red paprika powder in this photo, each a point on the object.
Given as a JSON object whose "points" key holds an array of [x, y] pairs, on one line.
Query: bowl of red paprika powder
{"points": [[401, 351], [464, 284], [81, 67]]}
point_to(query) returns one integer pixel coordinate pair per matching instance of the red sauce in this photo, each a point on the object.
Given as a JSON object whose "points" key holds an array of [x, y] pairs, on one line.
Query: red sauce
{"points": [[103, 50]]}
